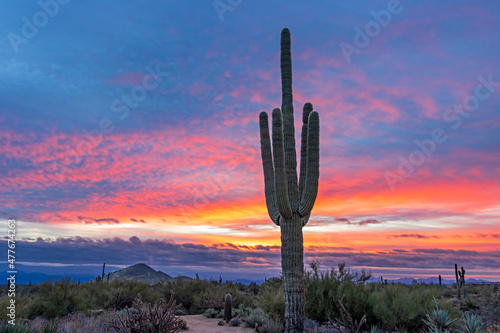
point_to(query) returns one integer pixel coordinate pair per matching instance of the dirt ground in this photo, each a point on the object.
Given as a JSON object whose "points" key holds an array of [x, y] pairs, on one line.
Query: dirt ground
{"points": [[200, 324]]}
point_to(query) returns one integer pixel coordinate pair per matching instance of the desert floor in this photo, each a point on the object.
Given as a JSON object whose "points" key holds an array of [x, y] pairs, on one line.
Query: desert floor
{"points": [[200, 324]]}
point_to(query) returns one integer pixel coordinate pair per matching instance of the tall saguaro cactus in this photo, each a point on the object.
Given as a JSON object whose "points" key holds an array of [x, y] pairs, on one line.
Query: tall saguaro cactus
{"points": [[289, 201]]}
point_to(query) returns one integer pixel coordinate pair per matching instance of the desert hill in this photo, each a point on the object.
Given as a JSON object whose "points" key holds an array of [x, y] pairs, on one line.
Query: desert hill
{"points": [[142, 272]]}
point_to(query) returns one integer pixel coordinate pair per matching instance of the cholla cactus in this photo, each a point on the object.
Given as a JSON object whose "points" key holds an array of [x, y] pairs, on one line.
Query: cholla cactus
{"points": [[148, 319], [290, 200]]}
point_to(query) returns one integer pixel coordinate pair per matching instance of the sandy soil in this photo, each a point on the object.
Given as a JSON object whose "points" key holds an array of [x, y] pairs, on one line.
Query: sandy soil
{"points": [[200, 324]]}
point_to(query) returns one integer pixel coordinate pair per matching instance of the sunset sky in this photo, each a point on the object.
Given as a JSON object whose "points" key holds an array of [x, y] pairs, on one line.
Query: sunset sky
{"points": [[129, 133]]}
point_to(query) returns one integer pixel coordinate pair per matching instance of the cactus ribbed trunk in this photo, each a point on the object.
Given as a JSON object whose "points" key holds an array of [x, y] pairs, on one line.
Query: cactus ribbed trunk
{"points": [[290, 200], [292, 262]]}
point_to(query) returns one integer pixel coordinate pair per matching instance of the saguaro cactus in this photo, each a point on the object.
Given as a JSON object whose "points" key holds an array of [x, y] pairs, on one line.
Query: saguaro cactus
{"points": [[289, 201], [458, 282], [227, 308], [461, 274], [102, 276]]}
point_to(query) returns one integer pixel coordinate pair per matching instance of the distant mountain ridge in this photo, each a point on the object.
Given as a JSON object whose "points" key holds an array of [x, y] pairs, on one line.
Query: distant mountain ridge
{"points": [[430, 280], [142, 272]]}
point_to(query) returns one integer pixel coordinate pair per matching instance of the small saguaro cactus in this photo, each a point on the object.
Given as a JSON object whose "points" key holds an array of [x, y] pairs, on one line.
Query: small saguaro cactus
{"points": [[290, 200], [228, 308], [102, 276], [458, 281], [461, 273], [440, 284]]}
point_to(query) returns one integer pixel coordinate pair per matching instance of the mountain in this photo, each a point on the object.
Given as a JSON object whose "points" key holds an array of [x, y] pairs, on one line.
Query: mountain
{"points": [[429, 280], [246, 281], [142, 272]]}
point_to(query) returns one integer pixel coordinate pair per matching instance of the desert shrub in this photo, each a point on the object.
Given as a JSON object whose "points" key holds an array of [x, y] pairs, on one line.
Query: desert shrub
{"points": [[210, 297], [400, 306], [254, 317], [468, 304], [253, 288], [236, 321], [241, 311], [448, 292], [312, 326], [489, 303], [119, 301], [272, 299], [322, 288], [130, 288], [273, 326], [212, 304], [211, 313], [148, 319], [196, 296], [54, 299]]}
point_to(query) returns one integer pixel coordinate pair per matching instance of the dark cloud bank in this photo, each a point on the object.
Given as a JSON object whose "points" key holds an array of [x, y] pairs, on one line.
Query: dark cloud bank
{"points": [[231, 260]]}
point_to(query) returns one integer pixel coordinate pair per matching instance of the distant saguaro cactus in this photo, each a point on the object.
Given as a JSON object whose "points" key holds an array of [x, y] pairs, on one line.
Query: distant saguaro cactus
{"points": [[102, 276], [290, 201], [461, 274], [227, 308]]}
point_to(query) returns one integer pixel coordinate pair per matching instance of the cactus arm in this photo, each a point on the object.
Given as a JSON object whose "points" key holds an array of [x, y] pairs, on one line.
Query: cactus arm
{"points": [[312, 173], [267, 163], [280, 181], [286, 69], [288, 123], [303, 147]]}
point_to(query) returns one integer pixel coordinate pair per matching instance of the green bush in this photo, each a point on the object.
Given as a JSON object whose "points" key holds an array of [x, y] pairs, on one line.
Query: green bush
{"points": [[272, 299], [196, 296], [254, 317], [323, 287], [400, 306]]}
